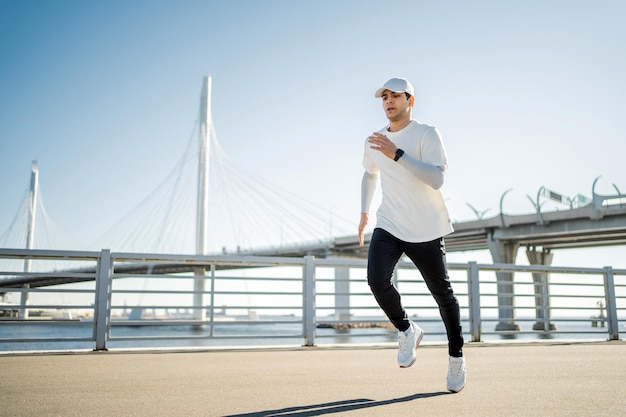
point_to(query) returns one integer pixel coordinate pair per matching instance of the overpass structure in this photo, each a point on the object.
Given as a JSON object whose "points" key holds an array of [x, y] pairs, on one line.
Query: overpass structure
{"points": [[602, 223]]}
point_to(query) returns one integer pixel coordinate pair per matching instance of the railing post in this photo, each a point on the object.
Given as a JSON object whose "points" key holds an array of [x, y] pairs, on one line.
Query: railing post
{"points": [[611, 304], [102, 311], [308, 295], [212, 302], [473, 289]]}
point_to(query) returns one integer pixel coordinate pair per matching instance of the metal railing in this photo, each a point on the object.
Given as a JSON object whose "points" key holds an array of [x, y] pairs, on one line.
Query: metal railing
{"points": [[106, 300]]}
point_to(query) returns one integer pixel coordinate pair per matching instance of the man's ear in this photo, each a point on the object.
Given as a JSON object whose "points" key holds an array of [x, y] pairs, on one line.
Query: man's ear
{"points": [[411, 101]]}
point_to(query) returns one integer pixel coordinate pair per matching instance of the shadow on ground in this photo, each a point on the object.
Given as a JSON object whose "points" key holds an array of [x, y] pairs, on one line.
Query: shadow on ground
{"points": [[335, 407]]}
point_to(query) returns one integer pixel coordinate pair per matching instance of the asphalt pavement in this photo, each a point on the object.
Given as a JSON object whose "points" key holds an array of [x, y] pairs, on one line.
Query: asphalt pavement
{"points": [[507, 379]]}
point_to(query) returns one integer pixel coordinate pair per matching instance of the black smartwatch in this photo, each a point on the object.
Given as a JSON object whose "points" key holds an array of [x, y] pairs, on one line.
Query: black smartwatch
{"points": [[399, 153]]}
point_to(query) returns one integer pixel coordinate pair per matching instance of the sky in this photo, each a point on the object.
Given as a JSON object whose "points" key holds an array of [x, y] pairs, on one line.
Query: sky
{"points": [[105, 95]]}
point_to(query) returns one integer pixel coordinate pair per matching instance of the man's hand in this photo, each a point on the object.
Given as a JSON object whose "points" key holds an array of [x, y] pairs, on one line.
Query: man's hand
{"points": [[383, 144], [362, 225]]}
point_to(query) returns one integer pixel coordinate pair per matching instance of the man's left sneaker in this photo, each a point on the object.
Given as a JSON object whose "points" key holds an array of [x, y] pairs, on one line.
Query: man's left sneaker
{"points": [[456, 374]]}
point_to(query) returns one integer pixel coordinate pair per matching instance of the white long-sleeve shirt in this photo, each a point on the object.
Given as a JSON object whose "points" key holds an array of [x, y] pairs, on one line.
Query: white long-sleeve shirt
{"points": [[412, 208]]}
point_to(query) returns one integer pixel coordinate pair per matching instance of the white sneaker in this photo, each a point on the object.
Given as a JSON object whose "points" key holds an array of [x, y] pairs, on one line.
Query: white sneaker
{"points": [[456, 374], [409, 341]]}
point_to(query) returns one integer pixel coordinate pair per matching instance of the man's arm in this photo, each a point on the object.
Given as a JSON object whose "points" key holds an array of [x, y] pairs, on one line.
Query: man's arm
{"points": [[431, 175], [368, 188]]}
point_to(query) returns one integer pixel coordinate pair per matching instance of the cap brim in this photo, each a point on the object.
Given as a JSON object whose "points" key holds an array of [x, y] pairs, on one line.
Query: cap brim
{"points": [[379, 92]]}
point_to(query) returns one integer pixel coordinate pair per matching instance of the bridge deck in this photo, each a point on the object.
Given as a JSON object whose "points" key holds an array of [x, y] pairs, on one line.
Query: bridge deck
{"points": [[556, 379], [582, 227]]}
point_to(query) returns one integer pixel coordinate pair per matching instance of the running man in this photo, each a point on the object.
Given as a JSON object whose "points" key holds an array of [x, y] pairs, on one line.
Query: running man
{"points": [[410, 160]]}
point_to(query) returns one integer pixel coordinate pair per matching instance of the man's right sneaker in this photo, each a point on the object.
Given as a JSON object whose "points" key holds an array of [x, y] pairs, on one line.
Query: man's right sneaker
{"points": [[409, 340]]}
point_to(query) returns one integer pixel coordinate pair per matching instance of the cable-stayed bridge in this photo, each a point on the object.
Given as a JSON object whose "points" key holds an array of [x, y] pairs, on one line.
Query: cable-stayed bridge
{"points": [[206, 205]]}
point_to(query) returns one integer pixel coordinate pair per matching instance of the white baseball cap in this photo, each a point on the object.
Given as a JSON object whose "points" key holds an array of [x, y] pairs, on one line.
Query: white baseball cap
{"points": [[397, 85]]}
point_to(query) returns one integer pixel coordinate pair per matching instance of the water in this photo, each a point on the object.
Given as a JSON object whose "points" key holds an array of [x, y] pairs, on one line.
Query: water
{"points": [[262, 333]]}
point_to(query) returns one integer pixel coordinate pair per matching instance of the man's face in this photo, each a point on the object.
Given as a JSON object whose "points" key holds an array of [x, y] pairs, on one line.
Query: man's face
{"points": [[396, 105]]}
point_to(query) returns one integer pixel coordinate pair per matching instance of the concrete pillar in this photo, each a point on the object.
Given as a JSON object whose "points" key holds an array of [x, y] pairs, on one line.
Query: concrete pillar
{"points": [[342, 293], [199, 312], [541, 281], [23, 312], [504, 252]]}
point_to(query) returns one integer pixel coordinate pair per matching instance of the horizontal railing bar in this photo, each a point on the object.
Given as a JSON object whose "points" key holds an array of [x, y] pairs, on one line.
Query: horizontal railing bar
{"points": [[533, 320], [206, 307], [46, 322], [207, 277], [297, 280], [200, 337], [258, 293], [48, 290], [184, 292], [549, 332], [352, 294], [524, 296], [535, 308], [190, 292], [578, 319], [375, 306], [48, 254], [225, 260], [121, 275], [161, 307], [324, 320], [361, 335], [166, 322], [557, 284], [540, 268], [596, 297], [47, 340], [351, 263], [49, 275], [511, 295], [47, 306]]}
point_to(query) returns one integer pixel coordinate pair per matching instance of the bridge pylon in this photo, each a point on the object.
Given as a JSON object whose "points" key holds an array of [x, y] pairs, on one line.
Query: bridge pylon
{"points": [[202, 197], [30, 237]]}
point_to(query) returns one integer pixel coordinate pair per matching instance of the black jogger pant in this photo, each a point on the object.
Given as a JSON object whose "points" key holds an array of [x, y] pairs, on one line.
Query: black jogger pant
{"points": [[430, 259]]}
